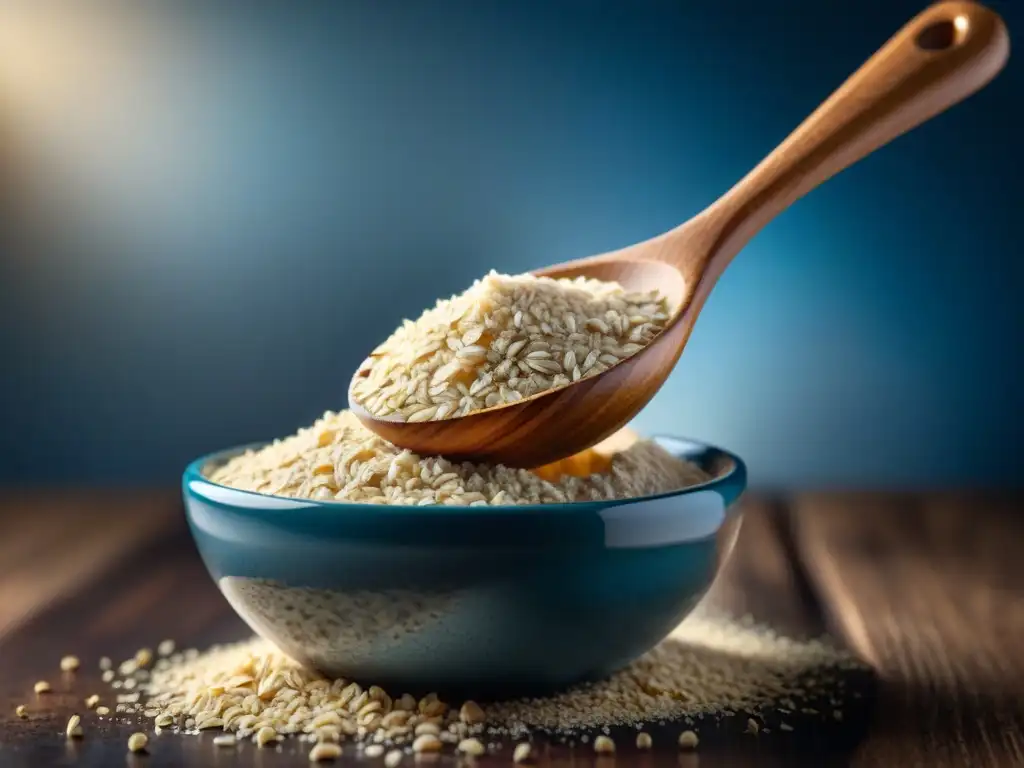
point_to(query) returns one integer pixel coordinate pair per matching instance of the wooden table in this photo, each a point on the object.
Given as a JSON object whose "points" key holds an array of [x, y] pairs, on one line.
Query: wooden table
{"points": [[927, 589]]}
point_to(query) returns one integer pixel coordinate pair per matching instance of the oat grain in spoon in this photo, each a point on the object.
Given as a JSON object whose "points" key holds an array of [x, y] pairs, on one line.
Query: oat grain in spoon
{"points": [[527, 370], [503, 340]]}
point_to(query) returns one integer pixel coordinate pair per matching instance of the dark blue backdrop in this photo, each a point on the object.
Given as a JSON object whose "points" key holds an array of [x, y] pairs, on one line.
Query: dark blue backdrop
{"points": [[212, 210]]}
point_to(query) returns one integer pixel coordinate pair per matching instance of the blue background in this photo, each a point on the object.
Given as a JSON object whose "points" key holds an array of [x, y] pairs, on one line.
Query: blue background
{"points": [[211, 211]]}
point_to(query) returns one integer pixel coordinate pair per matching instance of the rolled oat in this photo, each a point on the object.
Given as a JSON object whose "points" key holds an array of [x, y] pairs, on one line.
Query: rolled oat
{"points": [[339, 459], [504, 339], [709, 665]]}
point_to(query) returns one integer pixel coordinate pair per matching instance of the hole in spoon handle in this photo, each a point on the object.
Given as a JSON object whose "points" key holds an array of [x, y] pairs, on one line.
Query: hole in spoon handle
{"points": [[941, 35]]}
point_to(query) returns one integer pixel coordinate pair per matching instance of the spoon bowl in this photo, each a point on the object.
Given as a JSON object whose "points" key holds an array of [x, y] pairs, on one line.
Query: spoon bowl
{"points": [[942, 56], [492, 601], [583, 414]]}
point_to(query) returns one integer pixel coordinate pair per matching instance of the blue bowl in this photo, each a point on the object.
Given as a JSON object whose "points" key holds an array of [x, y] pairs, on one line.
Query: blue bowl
{"points": [[495, 600]]}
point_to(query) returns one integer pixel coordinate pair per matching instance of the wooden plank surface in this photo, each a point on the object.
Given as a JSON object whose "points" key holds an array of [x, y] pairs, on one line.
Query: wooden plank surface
{"points": [[928, 589], [51, 543]]}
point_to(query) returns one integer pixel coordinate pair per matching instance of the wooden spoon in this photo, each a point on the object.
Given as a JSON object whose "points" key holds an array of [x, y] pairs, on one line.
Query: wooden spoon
{"points": [[942, 56]]}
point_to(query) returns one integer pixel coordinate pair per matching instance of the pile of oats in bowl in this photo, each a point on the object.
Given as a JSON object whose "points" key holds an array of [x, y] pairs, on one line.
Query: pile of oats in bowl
{"points": [[337, 458], [505, 338]]}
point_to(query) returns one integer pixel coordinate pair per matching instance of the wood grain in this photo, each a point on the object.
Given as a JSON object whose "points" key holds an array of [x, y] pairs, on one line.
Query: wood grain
{"points": [[762, 576], [929, 589], [87, 529], [942, 56]]}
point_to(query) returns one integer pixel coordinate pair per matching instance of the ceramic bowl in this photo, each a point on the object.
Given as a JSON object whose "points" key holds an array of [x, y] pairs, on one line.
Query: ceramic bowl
{"points": [[496, 600]]}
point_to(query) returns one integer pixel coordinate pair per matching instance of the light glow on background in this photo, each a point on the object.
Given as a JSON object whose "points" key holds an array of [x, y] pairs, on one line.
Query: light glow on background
{"points": [[234, 204]]}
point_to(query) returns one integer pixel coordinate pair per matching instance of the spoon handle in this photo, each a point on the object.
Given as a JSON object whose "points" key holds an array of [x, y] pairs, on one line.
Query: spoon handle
{"points": [[940, 57]]}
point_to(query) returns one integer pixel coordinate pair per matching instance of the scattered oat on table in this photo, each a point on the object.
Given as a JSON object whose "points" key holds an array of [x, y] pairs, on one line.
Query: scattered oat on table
{"points": [[41, 687], [101, 710], [427, 742], [604, 744], [504, 339], [472, 747], [69, 664], [21, 712], [688, 740], [522, 753], [143, 657], [427, 729], [137, 742], [709, 665], [265, 735], [643, 740], [324, 751], [472, 713], [74, 727]]}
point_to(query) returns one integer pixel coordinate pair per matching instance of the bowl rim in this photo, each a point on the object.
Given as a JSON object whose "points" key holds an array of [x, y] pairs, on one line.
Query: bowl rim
{"points": [[730, 485]]}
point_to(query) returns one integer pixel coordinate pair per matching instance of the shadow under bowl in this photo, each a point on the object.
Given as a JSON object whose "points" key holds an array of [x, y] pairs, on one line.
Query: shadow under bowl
{"points": [[496, 601]]}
